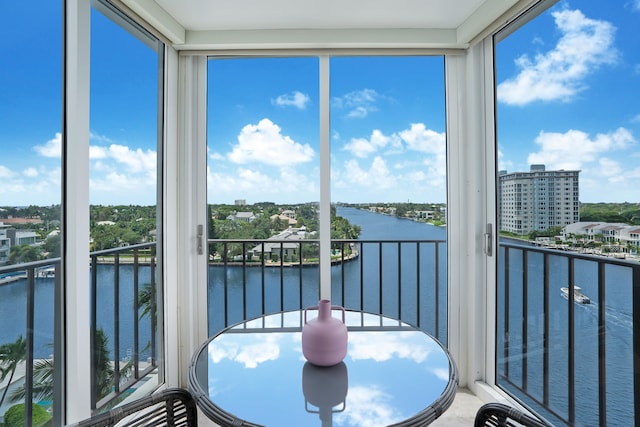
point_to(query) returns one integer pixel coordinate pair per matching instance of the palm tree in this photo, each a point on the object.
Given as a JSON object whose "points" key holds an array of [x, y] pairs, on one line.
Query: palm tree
{"points": [[43, 373], [102, 364], [42, 383], [144, 300], [11, 354]]}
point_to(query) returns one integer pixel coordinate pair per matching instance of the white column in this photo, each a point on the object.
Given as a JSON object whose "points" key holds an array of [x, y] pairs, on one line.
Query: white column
{"points": [[75, 223], [471, 206], [325, 182], [186, 299]]}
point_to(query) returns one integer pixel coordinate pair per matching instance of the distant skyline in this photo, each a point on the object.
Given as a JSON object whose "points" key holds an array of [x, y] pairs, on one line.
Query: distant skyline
{"points": [[567, 97]]}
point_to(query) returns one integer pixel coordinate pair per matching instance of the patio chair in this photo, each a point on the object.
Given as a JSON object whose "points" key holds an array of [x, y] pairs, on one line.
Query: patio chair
{"points": [[169, 407], [501, 415]]}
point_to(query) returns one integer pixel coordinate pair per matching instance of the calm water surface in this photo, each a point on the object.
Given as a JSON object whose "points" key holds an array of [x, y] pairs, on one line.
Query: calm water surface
{"points": [[293, 288]]}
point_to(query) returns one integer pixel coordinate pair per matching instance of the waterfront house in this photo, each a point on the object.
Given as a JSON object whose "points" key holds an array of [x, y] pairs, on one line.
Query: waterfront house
{"points": [[274, 248], [487, 329], [243, 216], [285, 219]]}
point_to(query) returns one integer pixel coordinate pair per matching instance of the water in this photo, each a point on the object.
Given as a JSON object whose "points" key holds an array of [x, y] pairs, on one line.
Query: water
{"points": [[619, 309], [618, 333], [283, 292], [13, 319]]}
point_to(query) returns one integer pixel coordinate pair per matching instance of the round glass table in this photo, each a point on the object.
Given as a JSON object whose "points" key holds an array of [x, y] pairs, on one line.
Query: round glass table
{"points": [[254, 374]]}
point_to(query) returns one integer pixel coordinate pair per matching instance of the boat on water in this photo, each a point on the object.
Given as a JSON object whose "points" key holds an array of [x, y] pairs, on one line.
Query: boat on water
{"points": [[578, 296]]}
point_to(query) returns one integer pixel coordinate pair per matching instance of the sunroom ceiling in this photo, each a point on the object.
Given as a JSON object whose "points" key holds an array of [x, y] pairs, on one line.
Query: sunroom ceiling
{"points": [[317, 24]]}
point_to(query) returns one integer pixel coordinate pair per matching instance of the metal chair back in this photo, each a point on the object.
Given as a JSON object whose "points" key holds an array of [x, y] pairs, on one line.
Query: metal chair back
{"points": [[170, 407]]}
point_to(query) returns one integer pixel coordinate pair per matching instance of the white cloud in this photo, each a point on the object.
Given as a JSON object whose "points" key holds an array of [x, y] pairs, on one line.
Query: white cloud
{"points": [[97, 152], [503, 164], [636, 119], [100, 138], [367, 406], [573, 149], [120, 174], [419, 138], [30, 172], [266, 347], [418, 173], [5, 172], [611, 170], [264, 143], [385, 346], [377, 176], [361, 147], [357, 103], [636, 5], [52, 148], [216, 156], [257, 186], [135, 160], [559, 73], [295, 99]]}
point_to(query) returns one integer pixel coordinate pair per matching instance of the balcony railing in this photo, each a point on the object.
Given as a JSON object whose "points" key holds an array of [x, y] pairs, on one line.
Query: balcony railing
{"points": [[402, 279], [123, 334], [571, 362], [567, 357], [28, 274], [123, 312]]}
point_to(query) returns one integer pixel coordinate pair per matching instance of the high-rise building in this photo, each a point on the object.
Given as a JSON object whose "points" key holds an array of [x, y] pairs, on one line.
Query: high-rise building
{"points": [[537, 200]]}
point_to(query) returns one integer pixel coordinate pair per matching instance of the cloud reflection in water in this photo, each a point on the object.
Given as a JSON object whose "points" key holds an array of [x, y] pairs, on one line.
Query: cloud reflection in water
{"points": [[264, 348]]}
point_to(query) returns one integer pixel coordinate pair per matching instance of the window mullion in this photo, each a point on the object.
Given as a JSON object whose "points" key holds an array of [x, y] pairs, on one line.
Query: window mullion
{"points": [[325, 181]]}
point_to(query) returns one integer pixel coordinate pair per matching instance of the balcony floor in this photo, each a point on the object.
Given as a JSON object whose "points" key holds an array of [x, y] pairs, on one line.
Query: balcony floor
{"points": [[461, 413]]}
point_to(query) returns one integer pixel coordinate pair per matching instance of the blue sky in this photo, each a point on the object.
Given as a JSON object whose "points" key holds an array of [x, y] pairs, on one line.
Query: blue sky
{"points": [[568, 90]]}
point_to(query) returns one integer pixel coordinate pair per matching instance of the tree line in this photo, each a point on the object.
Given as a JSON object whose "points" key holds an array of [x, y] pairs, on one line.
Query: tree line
{"points": [[114, 226]]}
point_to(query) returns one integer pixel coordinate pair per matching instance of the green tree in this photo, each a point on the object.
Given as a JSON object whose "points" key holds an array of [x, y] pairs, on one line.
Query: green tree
{"points": [[52, 246], [11, 354], [102, 364], [24, 253], [14, 417], [43, 373], [104, 237]]}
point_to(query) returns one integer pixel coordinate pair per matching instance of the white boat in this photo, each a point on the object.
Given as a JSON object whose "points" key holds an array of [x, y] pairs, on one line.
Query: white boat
{"points": [[578, 296]]}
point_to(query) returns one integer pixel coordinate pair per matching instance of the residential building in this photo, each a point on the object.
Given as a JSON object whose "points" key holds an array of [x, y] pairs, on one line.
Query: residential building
{"points": [[537, 200], [243, 216], [289, 213], [284, 218], [275, 247], [620, 233], [22, 237], [424, 214], [5, 244]]}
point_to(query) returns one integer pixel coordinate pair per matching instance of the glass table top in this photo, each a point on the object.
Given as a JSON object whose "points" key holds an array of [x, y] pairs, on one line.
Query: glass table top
{"points": [[255, 371]]}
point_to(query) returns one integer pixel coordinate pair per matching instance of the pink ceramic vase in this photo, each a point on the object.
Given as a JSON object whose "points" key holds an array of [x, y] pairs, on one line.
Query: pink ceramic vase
{"points": [[324, 338]]}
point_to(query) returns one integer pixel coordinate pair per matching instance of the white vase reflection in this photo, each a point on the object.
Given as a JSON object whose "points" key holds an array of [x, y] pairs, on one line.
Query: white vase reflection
{"points": [[325, 388]]}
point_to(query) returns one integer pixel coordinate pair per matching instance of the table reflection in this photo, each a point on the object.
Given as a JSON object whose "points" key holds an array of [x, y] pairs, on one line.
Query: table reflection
{"points": [[256, 372]]}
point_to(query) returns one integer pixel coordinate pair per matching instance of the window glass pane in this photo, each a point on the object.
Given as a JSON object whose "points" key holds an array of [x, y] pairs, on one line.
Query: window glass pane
{"points": [[125, 99], [262, 182], [30, 196], [388, 181], [568, 125]]}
